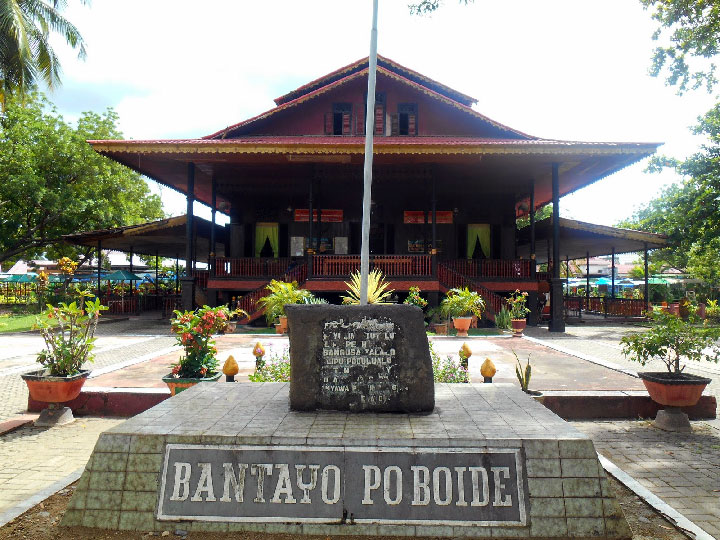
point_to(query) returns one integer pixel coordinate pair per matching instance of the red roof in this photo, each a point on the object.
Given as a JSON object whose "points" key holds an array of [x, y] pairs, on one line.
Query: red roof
{"points": [[382, 62], [358, 74]]}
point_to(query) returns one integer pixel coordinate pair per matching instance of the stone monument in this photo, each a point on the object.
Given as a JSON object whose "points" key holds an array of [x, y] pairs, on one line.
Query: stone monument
{"points": [[358, 443], [359, 358]]}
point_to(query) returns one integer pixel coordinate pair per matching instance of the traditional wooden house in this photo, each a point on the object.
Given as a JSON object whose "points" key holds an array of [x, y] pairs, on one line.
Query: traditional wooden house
{"points": [[448, 185]]}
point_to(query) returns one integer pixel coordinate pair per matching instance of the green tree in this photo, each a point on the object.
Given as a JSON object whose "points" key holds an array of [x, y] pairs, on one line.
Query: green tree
{"points": [[53, 183], [689, 212], [425, 7], [690, 32], [543, 213], [26, 55]]}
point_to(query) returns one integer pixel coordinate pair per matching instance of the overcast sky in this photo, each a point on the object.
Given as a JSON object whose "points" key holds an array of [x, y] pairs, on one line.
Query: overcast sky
{"points": [[565, 69]]}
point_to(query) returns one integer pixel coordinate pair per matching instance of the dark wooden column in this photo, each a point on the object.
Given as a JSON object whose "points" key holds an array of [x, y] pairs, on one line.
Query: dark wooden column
{"points": [[309, 248], [188, 282], [213, 213], [157, 275], [647, 282], [557, 321], [612, 274], [533, 316], [177, 273], [99, 266], [433, 253], [131, 263], [587, 280]]}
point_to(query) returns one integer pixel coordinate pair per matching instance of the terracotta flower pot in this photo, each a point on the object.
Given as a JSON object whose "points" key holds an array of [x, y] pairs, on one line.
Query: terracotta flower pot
{"points": [[178, 384], [282, 320], [54, 389], [441, 329], [674, 389], [462, 325], [518, 326]]}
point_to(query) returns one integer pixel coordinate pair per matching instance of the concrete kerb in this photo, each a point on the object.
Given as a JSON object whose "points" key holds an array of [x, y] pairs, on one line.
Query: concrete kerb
{"points": [[40, 496], [653, 500]]}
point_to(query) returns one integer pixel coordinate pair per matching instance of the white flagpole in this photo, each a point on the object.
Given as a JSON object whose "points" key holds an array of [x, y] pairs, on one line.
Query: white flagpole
{"points": [[367, 173]]}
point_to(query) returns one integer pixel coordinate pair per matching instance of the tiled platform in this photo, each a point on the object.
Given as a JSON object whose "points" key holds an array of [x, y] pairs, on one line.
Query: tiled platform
{"points": [[568, 490]]}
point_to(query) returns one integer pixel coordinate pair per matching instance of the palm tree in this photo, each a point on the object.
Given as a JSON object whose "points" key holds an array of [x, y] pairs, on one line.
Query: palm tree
{"points": [[26, 56]]}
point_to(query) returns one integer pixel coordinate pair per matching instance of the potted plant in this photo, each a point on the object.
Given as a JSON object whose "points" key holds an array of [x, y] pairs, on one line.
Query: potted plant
{"points": [[438, 324], [669, 339], [281, 294], [414, 298], [194, 330], [68, 331], [377, 292], [461, 304], [518, 311]]}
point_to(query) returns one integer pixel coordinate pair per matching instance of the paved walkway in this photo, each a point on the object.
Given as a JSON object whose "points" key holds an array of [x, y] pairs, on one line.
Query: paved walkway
{"points": [[603, 342], [681, 469], [117, 342], [32, 458]]}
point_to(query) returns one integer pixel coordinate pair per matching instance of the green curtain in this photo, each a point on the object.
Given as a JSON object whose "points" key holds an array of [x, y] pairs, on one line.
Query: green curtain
{"points": [[263, 232], [478, 232]]}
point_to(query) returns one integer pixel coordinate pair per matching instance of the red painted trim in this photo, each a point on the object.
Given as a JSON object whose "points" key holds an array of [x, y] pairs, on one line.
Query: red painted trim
{"points": [[111, 402], [509, 286], [235, 284], [321, 285]]}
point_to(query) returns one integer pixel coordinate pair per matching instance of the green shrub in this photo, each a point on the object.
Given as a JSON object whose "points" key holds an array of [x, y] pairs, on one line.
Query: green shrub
{"points": [[448, 370], [274, 369]]}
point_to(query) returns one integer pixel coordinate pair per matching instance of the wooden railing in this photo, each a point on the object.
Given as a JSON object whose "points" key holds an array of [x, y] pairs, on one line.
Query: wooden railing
{"points": [[118, 305], [389, 265], [170, 304], [251, 266], [491, 268], [248, 303], [450, 279], [608, 307], [201, 278]]}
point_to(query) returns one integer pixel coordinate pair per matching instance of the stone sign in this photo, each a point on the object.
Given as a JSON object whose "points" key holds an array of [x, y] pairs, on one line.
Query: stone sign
{"points": [[359, 358], [440, 486]]}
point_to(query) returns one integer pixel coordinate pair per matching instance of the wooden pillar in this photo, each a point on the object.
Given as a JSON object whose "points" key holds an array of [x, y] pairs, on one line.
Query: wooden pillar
{"points": [[647, 282], [213, 213], [99, 266], [567, 275], [557, 321], [177, 273], [612, 274], [189, 229], [534, 315], [131, 258], [188, 288], [433, 252], [533, 265], [309, 248], [587, 280], [157, 289]]}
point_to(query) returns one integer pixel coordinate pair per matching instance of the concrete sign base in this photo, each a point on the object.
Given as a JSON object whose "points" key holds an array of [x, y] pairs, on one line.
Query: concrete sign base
{"points": [[488, 462]]}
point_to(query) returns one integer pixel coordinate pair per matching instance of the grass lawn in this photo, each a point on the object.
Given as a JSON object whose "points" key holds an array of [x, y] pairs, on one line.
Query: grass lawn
{"points": [[16, 323]]}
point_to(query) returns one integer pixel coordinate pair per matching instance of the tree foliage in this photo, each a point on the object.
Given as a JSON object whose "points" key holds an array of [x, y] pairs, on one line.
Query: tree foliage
{"points": [[689, 212], [26, 55], [53, 183], [690, 30], [425, 7]]}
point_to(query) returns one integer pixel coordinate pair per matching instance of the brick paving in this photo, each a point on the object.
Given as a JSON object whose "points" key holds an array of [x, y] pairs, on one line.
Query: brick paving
{"points": [[682, 469], [603, 342], [117, 342], [32, 458]]}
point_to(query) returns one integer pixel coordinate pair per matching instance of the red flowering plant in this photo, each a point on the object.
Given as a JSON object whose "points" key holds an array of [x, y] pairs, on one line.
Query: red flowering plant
{"points": [[194, 330], [516, 303]]}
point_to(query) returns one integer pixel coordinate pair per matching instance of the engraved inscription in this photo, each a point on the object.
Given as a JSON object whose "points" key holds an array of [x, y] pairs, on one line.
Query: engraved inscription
{"points": [[358, 362], [461, 486]]}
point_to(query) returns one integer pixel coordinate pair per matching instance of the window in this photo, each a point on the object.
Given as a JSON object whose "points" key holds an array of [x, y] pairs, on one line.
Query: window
{"points": [[405, 121], [338, 121]]}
